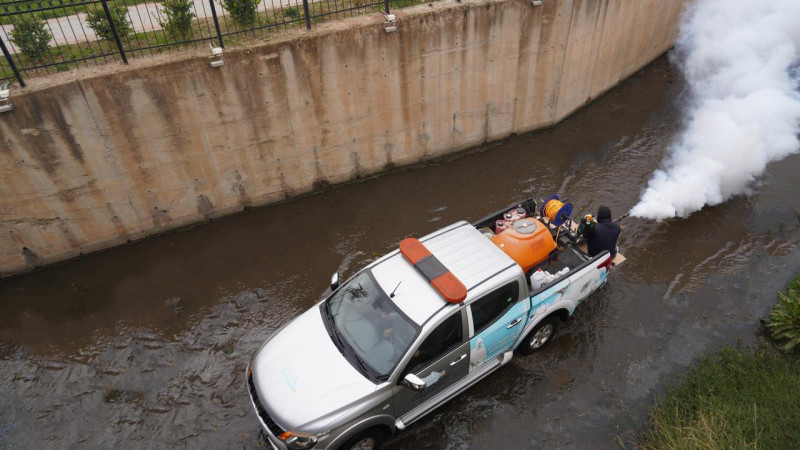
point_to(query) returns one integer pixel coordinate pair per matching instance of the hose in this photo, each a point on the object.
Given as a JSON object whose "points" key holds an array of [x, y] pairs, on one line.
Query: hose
{"points": [[556, 211]]}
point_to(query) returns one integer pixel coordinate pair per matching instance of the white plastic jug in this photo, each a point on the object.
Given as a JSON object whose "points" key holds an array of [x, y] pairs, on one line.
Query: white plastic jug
{"points": [[562, 272], [537, 279]]}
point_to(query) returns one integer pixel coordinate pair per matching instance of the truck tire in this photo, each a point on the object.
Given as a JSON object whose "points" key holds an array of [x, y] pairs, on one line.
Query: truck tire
{"points": [[369, 439], [540, 335]]}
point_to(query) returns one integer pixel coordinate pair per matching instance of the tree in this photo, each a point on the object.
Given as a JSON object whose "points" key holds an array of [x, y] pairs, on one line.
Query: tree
{"points": [[178, 16], [98, 21], [31, 37], [243, 12]]}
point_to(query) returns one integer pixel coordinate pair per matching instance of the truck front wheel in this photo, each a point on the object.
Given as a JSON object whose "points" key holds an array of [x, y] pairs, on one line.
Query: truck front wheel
{"points": [[540, 335], [370, 439]]}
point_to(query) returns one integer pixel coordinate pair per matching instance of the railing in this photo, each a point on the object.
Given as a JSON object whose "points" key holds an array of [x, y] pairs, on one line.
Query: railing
{"points": [[39, 37]]}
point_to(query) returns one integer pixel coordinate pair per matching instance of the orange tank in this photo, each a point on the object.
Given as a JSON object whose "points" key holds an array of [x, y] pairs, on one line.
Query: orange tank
{"points": [[527, 241]]}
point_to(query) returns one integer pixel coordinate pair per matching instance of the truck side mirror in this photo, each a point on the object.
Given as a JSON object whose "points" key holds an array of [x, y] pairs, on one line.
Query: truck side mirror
{"points": [[334, 281], [414, 382]]}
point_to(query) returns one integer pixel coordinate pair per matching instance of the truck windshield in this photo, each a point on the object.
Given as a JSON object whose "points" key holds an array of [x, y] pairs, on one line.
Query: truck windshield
{"points": [[370, 324]]}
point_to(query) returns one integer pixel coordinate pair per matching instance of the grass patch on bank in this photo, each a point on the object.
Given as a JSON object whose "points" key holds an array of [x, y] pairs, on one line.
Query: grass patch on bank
{"points": [[737, 399], [732, 400]]}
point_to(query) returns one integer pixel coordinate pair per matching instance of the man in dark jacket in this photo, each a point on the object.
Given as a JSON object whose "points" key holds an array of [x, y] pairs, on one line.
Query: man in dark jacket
{"points": [[603, 235]]}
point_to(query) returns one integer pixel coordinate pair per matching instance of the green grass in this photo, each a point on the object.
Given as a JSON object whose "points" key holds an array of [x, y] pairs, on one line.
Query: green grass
{"points": [[732, 400], [736, 399]]}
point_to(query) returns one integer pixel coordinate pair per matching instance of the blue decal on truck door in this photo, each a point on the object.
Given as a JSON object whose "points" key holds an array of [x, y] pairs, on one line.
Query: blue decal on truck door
{"points": [[499, 336]]}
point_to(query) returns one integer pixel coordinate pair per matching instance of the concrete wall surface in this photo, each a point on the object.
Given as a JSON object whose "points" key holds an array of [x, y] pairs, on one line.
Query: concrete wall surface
{"points": [[102, 158]]}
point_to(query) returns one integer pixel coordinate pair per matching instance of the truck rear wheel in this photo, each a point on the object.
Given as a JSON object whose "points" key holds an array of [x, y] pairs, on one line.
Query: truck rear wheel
{"points": [[540, 335], [370, 439]]}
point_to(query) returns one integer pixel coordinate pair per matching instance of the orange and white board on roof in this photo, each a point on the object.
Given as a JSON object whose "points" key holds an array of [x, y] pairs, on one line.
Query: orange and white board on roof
{"points": [[448, 286]]}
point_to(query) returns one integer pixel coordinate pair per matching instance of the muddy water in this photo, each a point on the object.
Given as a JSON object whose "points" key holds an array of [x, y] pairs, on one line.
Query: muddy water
{"points": [[145, 346]]}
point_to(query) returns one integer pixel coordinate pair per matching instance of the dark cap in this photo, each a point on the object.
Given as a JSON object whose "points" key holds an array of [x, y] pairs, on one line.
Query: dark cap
{"points": [[604, 213]]}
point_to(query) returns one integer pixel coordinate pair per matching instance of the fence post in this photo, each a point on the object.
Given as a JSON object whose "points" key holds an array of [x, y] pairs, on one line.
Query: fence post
{"points": [[11, 63], [114, 31], [216, 23], [386, 6], [305, 11]]}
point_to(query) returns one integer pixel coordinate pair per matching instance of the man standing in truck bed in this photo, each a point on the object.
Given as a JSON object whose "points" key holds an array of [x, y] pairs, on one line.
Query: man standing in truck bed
{"points": [[603, 235]]}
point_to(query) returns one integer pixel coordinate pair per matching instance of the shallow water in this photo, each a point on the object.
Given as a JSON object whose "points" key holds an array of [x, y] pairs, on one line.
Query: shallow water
{"points": [[145, 346]]}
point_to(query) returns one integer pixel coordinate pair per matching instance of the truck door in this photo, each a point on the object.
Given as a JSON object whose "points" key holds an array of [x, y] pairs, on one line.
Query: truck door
{"points": [[441, 360], [497, 321]]}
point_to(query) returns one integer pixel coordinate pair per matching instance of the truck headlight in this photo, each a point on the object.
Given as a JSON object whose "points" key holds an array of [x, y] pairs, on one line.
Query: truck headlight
{"points": [[298, 441]]}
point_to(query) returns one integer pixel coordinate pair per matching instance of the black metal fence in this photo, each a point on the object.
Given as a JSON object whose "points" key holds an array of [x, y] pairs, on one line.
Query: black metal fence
{"points": [[47, 36]]}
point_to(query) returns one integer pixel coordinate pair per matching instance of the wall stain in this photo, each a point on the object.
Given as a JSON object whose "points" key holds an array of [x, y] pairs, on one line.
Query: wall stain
{"points": [[287, 190], [160, 216], [73, 241], [244, 198], [240, 190], [72, 194], [387, 147], [118, 225], [423, 139], [61, 123], [204, 206], [359, 169], [31, 258], [320, 175], [29, 125], [321, 184]]}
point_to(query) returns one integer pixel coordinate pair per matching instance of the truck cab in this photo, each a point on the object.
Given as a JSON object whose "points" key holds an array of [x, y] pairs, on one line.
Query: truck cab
{"points": [[400, 338]]}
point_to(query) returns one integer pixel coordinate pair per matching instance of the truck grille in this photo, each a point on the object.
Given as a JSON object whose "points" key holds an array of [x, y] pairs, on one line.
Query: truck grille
{"points": [[262, 413]]}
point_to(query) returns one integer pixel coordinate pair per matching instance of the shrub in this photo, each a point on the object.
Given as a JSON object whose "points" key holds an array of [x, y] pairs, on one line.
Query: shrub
{"points": [[784, 320], [243, 12], [178, 16], [31, 37], [97, 20], [291, 12]]}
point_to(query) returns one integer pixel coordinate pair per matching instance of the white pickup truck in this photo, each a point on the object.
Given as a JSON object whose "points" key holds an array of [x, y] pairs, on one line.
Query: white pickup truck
{"points": [[419, 326]]}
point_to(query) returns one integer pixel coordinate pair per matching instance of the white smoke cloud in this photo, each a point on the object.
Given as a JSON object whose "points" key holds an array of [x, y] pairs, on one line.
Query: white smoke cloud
{"points": [[737, 57]]}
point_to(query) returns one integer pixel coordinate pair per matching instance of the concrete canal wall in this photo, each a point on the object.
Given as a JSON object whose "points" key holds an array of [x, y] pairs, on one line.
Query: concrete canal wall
{"points": [[100, 158]]}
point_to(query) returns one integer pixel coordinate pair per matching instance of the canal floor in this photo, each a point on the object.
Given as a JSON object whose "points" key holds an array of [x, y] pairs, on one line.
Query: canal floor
{"points": [[145, 346]]}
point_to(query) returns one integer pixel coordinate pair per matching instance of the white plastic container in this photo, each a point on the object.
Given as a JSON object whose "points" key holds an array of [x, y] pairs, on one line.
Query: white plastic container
{"points": [[543, 277], [537, 279]]}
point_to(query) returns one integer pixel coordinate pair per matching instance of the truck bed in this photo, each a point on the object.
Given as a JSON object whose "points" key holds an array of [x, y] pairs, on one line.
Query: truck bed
{"points": [[570, 257], [569, 254]]}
